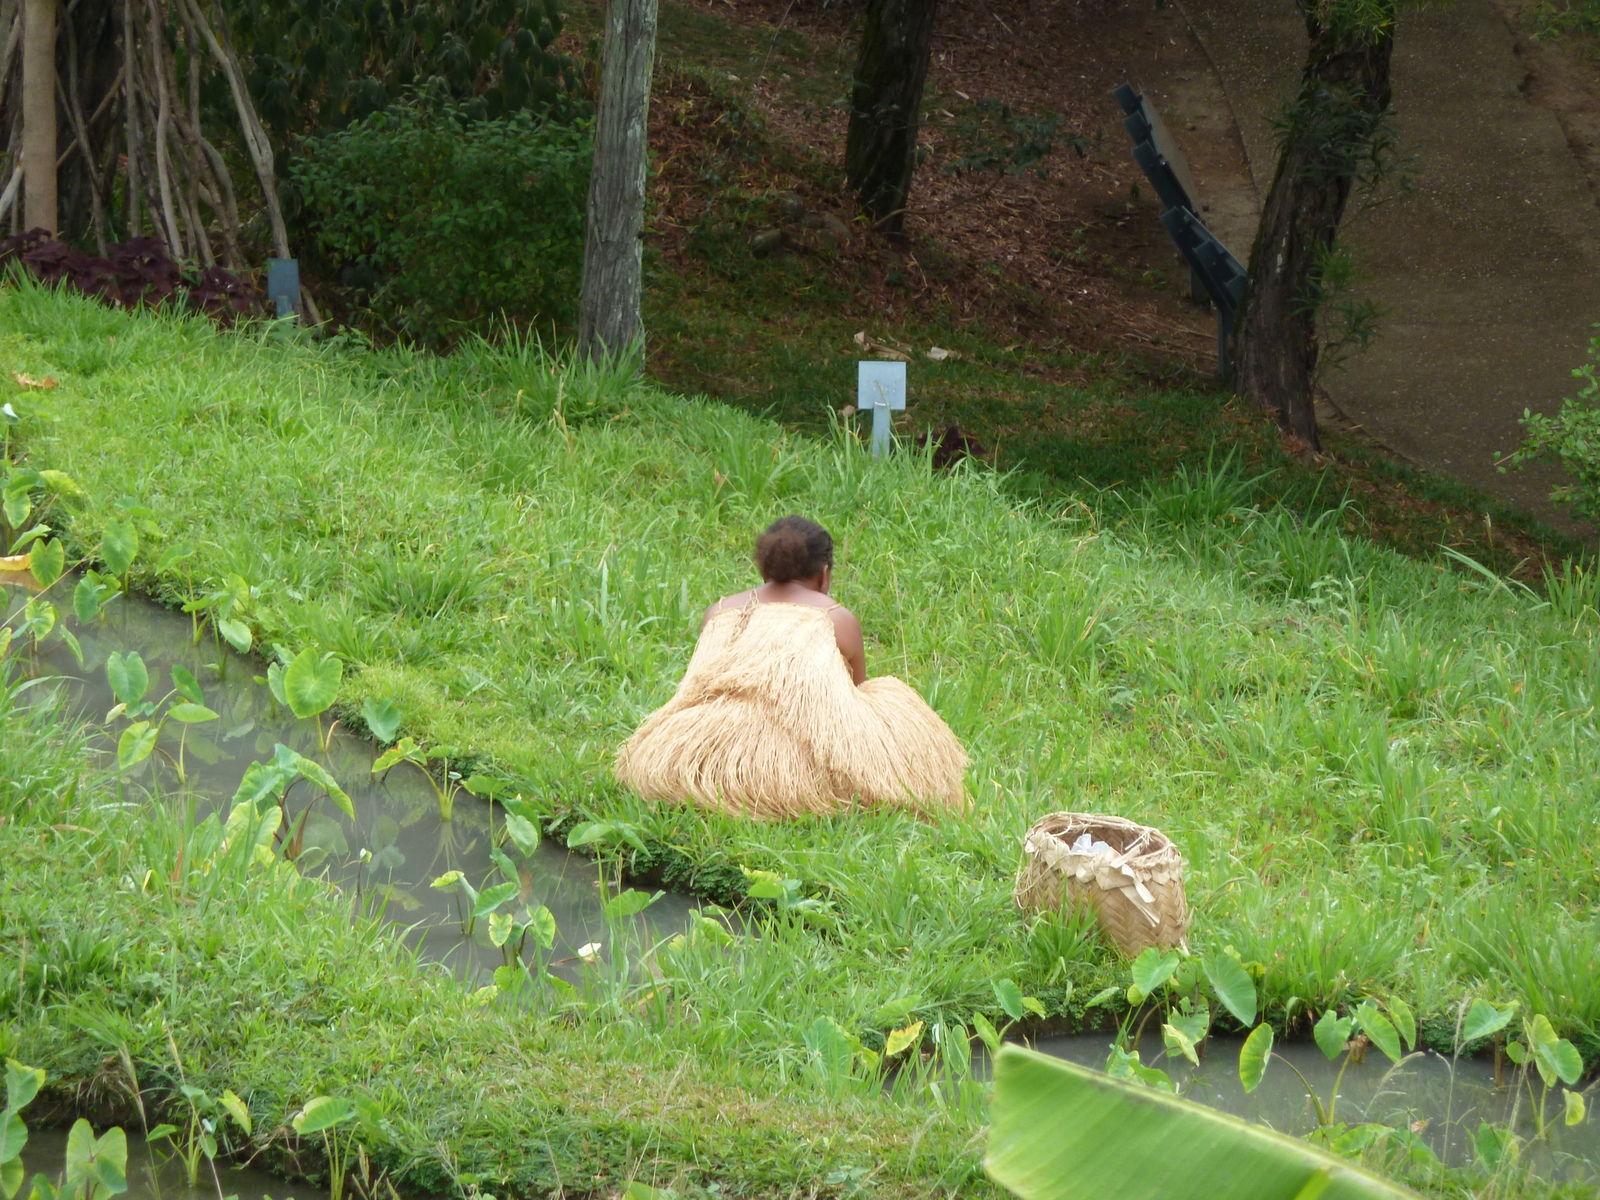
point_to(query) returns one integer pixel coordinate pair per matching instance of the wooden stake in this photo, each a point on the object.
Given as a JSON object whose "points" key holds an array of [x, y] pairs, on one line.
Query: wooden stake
{"points": [[39, 148]]}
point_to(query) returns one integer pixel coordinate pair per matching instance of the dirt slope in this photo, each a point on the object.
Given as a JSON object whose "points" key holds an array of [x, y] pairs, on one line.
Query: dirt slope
{"points": [[1489, 266]]}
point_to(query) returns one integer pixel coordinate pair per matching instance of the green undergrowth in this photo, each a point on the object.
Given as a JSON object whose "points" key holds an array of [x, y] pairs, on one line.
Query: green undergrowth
{"points": [[1380, 770]]}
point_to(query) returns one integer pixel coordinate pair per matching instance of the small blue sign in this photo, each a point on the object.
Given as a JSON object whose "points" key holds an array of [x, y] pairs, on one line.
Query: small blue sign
{"points": [[881, 383], [283, 284], [880, 390]]}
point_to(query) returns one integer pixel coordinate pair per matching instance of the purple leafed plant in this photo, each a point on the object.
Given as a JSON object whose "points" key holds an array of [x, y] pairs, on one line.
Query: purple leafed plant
{"points": [[133, 273]]}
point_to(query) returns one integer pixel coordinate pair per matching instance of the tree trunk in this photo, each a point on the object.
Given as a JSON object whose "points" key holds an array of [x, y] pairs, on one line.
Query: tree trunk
{"points": [[886, 107], [39, 141], [613, 248], [1332, 139]]}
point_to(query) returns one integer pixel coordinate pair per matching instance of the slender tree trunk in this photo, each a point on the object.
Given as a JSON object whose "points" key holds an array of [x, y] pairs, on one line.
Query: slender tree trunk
{"points": [[1332, 139], [135, 186], [880, 151], [220, 43], [39, 141], [613, 249]]}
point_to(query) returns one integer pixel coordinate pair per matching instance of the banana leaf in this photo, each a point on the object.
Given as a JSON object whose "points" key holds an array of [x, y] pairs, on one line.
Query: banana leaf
{"points": [[1063, 1132]]}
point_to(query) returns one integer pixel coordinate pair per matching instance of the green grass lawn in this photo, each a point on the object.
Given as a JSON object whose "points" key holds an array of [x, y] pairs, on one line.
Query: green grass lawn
{"points": [[1380, 769], [143, 940]]}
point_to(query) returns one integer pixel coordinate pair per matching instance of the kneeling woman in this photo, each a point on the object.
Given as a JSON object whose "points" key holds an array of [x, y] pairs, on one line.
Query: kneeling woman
{"points": [[776, 716]]}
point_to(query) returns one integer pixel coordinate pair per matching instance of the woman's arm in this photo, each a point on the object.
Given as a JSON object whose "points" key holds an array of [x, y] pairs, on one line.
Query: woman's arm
{"points": [[847, 633]]}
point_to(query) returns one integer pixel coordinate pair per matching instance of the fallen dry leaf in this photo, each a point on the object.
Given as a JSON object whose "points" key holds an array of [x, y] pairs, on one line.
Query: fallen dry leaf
{"points": [[868, 346], [28, 381], [939, 354]]}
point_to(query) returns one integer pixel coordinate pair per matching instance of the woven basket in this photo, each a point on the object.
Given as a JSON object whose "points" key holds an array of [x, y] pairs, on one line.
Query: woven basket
{"points": [[1136, 894]]}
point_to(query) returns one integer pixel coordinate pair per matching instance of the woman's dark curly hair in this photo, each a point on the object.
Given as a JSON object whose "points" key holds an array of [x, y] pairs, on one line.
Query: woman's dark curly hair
{"points": [[793, 548]]}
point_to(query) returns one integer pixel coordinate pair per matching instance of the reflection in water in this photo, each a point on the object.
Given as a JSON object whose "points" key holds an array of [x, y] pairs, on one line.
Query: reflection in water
{"points": [[397, 830], [160, 1176], [1440, 1099]]}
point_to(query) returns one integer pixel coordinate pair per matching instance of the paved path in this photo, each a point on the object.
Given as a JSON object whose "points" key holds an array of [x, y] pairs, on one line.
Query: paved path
{"points": [[1489, 269]]}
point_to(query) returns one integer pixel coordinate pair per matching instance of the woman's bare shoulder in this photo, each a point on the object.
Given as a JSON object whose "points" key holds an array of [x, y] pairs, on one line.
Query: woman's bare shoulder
{"points": [[843, 618], [727, 602]]}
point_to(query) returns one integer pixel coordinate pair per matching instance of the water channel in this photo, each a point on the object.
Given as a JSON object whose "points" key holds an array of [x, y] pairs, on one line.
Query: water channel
{"points": [[1443, 1100], [397, 820], [397, 844], [159, 1175]]}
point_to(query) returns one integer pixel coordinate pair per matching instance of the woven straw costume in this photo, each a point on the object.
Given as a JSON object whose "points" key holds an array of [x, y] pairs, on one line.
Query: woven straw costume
{"points": [[768, 723]]}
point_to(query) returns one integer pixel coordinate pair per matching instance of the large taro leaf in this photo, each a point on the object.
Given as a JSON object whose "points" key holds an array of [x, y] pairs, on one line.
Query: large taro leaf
{"points": [[119, 545], [1064, 1132], [311, 682]]}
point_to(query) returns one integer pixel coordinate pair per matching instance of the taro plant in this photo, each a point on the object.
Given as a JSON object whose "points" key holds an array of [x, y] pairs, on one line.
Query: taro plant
{"points": [[96, 1167], [510, 933], [333, 1118], [1394, 1033], [786, 896], [227, 606], [407, 750], [130, 682], [614, 838], [270, 782], [123, 536], [1175, 983], [91, 595], [382, 717], [1171, 985], [606, 835], [1014, 1004], [26, 494], [1554, 1060], [307, 685], [473, 905], [39, 620], [840, 1062], [22, 1085], [519, 821], [516, 972]]}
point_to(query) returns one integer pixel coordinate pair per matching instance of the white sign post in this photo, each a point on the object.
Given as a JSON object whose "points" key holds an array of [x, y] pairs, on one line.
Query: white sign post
{"points": [[880, 389]]}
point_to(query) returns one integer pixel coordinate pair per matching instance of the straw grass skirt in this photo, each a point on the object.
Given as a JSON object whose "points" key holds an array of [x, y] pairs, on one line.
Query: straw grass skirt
{"points": [[768, 723], [1136, 892]]}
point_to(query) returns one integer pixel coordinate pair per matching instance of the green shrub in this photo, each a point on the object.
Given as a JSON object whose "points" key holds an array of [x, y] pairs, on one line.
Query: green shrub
{"points": [[319, 64], [1571, 438], [440, 224]]}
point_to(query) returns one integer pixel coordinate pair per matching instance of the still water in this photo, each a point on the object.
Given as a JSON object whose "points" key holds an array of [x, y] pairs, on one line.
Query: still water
{"points": [[1442, 1100], [397, 822], [161, 1176]]}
